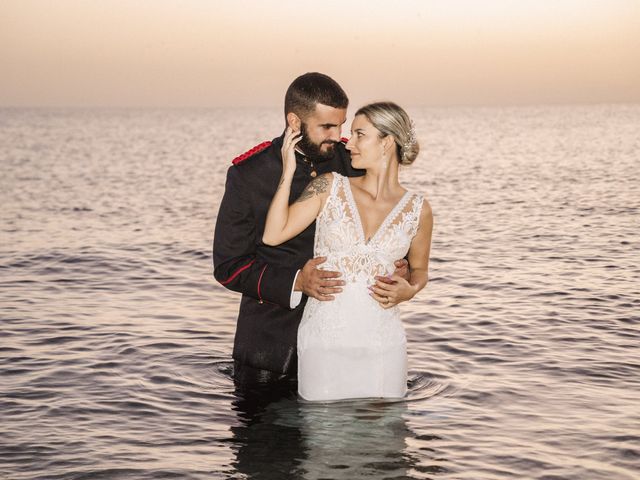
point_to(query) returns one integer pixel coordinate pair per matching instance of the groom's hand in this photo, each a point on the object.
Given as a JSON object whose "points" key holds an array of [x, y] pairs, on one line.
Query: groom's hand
{"points": [[402, 269], [319, 284], [385, 290]]}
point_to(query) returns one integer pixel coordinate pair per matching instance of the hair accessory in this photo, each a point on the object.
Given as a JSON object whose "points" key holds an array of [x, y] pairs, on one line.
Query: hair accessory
{"points": [[410, 142]]}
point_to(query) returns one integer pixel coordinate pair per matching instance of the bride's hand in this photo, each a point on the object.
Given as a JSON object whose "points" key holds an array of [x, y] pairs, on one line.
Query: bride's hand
{"points": [[390, 291], [291, 139]]}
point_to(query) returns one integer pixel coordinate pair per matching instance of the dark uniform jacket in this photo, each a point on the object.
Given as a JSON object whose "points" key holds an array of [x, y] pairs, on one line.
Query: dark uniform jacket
{"points": [[267, 327]]}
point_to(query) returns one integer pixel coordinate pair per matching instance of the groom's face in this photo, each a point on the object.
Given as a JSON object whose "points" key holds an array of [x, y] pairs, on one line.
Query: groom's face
{"points": [[321, 131]]}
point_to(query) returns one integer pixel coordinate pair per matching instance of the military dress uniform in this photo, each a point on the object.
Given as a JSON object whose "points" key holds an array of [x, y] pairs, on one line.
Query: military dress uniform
{"points": [[266, 333]]}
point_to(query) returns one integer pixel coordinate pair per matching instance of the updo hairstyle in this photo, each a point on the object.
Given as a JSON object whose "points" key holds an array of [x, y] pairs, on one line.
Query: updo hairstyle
{"points": [[391, 119]]}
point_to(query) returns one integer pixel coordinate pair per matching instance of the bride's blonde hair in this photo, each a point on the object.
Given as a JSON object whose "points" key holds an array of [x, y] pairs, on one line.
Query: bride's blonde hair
{"points": [[391, 119]]}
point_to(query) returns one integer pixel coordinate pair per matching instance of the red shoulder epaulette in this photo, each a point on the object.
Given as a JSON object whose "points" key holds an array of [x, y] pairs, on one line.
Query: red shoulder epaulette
{"points": [[258, 148], [344, 139]]}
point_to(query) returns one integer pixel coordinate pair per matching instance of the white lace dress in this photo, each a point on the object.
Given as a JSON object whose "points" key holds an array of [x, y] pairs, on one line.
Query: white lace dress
{"points": [[351, 347]]}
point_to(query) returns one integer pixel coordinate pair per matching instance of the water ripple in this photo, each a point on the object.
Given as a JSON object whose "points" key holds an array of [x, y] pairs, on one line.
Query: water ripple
{"points": [[115, 341]]}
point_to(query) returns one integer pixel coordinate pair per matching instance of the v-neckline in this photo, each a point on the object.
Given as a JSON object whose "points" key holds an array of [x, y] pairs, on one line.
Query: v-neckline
{"points": [[356, 213]]}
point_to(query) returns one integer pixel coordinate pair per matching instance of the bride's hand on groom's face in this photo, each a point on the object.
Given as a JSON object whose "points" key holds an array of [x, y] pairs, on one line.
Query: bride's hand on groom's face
{"points": [[291, 139]]}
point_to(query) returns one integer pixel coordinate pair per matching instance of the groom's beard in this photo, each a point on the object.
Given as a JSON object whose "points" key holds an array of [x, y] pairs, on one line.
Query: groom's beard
{"points": [[314, 150]]}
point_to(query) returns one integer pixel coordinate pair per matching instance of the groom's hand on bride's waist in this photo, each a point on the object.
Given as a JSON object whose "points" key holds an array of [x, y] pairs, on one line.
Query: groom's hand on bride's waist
{"points": [[390, 290], [319, 284], [402, 269]]}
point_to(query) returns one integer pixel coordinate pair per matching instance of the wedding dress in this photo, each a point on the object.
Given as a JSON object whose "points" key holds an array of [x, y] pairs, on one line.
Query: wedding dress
{"points": [[351, 347]]}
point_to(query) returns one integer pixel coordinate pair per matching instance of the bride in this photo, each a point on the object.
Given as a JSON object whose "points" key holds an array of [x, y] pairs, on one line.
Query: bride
{"points": [[355, 346]]}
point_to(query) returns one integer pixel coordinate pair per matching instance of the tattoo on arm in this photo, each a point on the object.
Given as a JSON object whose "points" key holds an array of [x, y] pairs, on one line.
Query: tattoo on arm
{"points": [[315, 187]]}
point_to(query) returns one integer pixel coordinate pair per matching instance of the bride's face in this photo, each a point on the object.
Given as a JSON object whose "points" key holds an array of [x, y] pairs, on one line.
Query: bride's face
{"points": [[366, 144]]}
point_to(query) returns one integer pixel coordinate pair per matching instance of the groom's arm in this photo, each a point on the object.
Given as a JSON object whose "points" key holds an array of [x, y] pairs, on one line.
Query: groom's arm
{"points": [[236, 265]]}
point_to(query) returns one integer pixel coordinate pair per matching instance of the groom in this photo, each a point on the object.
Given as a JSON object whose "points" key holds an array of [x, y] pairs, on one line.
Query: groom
{"points": [[272, 280]]}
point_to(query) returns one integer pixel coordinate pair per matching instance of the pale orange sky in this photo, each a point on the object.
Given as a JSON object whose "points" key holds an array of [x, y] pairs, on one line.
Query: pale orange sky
{"points": [[225, 53]]}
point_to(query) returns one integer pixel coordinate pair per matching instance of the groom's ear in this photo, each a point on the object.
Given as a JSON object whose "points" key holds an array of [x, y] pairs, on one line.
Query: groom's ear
{"points": [[293, 121]]}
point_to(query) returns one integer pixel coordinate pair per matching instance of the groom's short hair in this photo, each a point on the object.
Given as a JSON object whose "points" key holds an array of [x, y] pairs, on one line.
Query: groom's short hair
{"points": [[310, 89]]}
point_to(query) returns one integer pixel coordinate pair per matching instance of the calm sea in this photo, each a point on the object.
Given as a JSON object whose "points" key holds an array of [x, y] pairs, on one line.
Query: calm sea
{"points": [[115, 340]]}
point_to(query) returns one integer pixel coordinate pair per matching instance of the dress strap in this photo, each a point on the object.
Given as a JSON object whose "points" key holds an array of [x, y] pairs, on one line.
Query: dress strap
{"points": [[418, 201], [333, 192], [416, 211], [334, 184], [337, 185]]}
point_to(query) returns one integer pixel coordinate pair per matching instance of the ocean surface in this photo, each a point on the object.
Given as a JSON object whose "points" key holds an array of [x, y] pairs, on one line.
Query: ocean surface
{"points": [[115, 340]]}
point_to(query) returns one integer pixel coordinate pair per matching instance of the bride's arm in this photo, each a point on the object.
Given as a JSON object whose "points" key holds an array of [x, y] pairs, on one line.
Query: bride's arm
{"points": [[420, 249], [402, 290], [285, 221]]}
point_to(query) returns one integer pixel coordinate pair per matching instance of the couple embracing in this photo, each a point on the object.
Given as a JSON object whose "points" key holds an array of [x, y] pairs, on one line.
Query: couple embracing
{"points": [[315, 231]]}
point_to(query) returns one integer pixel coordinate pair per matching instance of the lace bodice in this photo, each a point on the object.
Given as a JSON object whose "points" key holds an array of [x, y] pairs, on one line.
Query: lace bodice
{"points": [[340, 237]]}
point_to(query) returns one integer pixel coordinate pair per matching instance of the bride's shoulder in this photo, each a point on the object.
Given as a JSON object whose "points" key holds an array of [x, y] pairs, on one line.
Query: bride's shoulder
{"points": [[426, 213], [420, 204], [325, 178], [321, 185], [332, 175], [328, 179], [329, 175]]}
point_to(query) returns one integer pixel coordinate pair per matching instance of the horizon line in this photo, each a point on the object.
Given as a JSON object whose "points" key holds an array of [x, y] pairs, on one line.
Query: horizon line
{"points": [[240, 107]]}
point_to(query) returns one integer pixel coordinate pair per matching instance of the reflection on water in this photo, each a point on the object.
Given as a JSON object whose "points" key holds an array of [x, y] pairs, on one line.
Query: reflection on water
{"points": [[279, 435], [115, 341], [371, 439], [264, 446]]}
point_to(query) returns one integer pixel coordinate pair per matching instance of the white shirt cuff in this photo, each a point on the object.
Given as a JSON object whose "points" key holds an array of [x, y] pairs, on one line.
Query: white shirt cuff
{"points": [[296, 297]]}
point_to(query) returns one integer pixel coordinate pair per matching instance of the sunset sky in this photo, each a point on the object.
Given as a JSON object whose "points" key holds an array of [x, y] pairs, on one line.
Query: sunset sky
{"points": [[212, 53]]}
